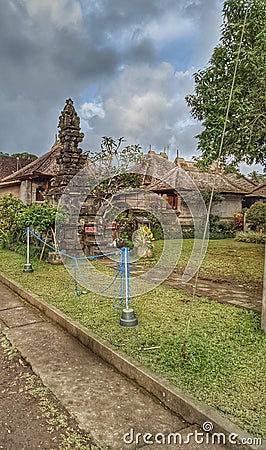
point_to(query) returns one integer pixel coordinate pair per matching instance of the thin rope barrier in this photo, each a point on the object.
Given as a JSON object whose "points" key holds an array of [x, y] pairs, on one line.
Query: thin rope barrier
{"points": [[85, 258], [76, 268]]}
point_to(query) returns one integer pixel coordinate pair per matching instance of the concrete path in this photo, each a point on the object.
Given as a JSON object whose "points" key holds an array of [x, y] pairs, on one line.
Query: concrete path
{"points": [[104, 403]]}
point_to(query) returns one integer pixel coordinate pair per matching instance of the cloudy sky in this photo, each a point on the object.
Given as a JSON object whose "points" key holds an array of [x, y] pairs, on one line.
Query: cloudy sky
{"points": [[127, 64]]}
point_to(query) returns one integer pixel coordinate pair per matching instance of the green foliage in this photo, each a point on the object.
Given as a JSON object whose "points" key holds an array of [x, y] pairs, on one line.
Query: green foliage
{"points": [[257, 215], [206, 195], [231, 168], [10, 351], [115, 182], [257, 177], [114, 162], [38, 216], [15, 217], [188, 232], [24, 155], [11, 210], [217, 229], [143, 238], [125, 227], [245, 137], [250, 237], [155, 225], [112, 155]]}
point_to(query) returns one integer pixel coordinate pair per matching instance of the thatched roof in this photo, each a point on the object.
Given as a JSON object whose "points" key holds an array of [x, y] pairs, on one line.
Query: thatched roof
{"points": [[9, 165], [204, 180], [241, 181], [221, 182], [159, 186], [46, 165], [259, 191]]}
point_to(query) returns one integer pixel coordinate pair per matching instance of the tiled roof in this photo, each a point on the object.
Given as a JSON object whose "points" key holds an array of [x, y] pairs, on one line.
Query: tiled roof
{"points": [[9, 165], [45, 165]]}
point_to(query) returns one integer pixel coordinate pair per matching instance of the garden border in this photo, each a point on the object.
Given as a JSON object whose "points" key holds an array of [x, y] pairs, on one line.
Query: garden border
{"points": [[178, 401]]}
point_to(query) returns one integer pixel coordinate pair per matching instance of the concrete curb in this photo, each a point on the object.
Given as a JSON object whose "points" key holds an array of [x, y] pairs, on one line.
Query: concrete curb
{"points": [[173, 398]]}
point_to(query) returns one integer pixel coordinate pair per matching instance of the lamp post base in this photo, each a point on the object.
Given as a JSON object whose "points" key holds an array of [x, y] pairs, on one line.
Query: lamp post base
{"points": [[27, 268], [128, 318]]}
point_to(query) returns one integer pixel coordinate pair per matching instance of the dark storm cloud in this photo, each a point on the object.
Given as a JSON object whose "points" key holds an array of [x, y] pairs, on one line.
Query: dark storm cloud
{"points": [[55, 49], [41, 66]]}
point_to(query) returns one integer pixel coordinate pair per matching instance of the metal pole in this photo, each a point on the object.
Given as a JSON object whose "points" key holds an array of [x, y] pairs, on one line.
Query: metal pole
{"points": [[28, 245], [126, 277], [128, 317], [122, 271], [28, 267]]}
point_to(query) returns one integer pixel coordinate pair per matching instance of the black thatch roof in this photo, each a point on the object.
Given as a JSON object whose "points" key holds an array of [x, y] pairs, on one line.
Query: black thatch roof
{"points": [[9, 165], [45, 165]]}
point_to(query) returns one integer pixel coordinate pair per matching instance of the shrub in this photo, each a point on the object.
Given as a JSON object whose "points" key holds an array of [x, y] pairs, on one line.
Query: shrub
{"points": [[11, 209], [257, 215], [252, 237], [15, 217], [219, 229]]}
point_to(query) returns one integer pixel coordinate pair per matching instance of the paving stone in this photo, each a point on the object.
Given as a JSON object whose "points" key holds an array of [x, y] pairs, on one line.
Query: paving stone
{"points": [[6, 301], [16, 317], [3, 326], [103, 401]]}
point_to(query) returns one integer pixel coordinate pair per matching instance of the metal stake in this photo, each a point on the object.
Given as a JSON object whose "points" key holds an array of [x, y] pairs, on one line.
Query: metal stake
{"points": [[28, 267]]}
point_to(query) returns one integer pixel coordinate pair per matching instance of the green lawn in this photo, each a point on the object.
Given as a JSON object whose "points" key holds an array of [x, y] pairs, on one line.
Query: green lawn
{"points": [[226, 360], [225, 260]]}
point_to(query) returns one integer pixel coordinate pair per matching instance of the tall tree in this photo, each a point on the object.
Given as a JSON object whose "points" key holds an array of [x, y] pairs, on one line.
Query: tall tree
{"points": [[24, 155], [245, 137]]}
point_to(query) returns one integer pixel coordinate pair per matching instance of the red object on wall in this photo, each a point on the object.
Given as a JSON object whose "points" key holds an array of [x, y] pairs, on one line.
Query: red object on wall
{"points": [[90, 229]]}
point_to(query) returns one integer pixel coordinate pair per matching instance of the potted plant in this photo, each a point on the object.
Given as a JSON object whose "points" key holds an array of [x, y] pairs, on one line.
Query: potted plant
{"points": [[143, 241]]}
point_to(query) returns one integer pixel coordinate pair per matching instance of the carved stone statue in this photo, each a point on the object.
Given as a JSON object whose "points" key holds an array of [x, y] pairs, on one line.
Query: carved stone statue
{"points": [[70, 159], [69, 117]]}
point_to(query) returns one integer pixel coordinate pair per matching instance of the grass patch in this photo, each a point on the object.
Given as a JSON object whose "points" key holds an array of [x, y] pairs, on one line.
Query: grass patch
{"points": [[225, 260], [226, 351]]}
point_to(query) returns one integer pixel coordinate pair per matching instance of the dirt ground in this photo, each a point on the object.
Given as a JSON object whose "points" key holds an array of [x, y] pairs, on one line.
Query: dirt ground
{"points": [[31, 417]]}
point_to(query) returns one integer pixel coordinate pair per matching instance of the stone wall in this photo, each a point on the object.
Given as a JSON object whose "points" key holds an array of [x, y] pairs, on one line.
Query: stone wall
{"points": [[10, 189], [230, 205]]}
